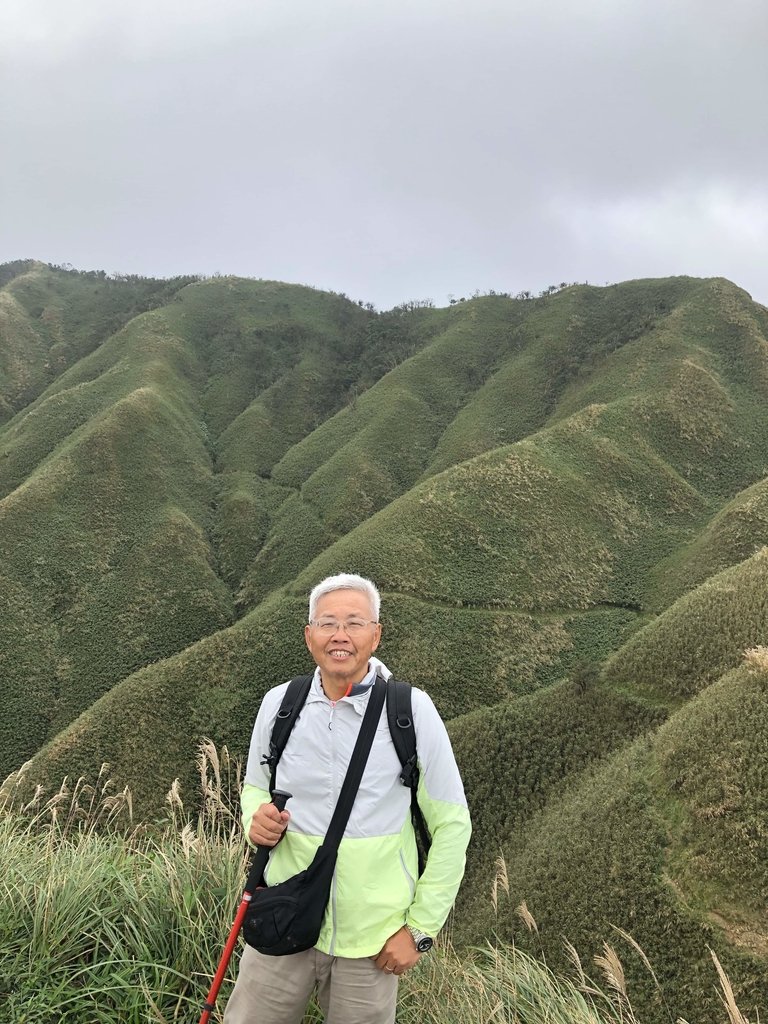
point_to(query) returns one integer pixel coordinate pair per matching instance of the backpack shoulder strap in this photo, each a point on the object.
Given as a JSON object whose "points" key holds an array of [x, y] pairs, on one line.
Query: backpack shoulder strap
{"points": [[400, 717], [403, 733], [292, 703]]}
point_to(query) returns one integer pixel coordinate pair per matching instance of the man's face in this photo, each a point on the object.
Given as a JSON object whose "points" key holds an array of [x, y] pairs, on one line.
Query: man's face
{"points": [[343, 659]]}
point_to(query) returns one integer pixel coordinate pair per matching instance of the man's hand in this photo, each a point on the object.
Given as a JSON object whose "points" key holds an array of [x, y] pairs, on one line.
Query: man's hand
{"points": [[268, 825], [398, 953]]}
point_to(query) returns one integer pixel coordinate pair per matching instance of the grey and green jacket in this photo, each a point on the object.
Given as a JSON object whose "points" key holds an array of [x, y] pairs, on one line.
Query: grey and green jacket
{"points": [[376, 888]]}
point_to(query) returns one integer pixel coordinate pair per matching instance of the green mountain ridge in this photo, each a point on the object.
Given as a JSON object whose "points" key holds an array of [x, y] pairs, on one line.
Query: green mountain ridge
{"points": [[563, 500]]}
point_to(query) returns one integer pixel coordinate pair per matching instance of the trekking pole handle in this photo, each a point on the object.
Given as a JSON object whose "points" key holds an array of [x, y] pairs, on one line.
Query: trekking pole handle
{"points": [[280, 798]]}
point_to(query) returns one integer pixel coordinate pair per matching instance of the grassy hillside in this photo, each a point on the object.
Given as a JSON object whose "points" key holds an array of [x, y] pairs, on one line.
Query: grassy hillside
{"points": [[702, 635], [665, 840], [80, 883], [563, 500], [734, 533], [49, 321], [710, 765]]}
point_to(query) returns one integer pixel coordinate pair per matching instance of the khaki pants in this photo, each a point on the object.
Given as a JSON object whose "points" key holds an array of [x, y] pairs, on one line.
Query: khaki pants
{"points": [[276, 989]]}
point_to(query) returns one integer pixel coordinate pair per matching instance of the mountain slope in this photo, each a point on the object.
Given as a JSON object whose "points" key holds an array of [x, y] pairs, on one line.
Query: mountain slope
{"points": [[562, 499]]}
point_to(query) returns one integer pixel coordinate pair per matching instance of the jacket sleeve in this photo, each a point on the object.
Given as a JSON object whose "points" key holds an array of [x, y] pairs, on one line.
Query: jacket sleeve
{"points": [[444, 806], [256, 788]]}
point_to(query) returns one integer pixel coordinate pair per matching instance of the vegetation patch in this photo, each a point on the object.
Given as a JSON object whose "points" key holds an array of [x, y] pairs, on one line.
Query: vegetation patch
{"points": [[563, 500]]}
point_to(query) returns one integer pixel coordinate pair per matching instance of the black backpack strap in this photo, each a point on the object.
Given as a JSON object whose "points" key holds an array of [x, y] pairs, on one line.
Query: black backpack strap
{"points": [[292, 703], [401, 729], [403, 733]]}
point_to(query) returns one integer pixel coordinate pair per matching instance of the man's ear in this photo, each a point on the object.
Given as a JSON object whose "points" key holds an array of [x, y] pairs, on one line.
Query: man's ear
{"points": [[377, 636], [306, 637]]}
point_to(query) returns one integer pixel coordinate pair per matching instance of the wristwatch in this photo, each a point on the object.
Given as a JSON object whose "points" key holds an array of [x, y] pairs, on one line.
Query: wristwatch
{"points": [[423, 941]]}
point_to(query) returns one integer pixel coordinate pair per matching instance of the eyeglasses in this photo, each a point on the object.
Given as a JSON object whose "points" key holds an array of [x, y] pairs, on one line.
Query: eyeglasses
{"points": [[352, 627]]}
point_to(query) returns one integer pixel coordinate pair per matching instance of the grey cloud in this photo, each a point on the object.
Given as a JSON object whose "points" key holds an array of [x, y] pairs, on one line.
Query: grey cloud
{"points": [[391, 151]]}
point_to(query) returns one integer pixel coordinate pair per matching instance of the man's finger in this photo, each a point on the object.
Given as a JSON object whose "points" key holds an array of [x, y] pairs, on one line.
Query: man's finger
{"points": [[268, 825], [271, 812]]}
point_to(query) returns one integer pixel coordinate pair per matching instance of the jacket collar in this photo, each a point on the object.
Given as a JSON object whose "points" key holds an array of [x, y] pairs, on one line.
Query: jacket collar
{"points": [[358, 697]]}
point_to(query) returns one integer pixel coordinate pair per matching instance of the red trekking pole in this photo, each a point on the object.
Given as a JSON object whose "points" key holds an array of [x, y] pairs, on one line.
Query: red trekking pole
{"points": [[259, 862]]}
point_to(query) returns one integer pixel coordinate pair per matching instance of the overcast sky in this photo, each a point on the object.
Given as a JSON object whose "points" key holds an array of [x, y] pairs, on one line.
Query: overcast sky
{"points": [[402, 150]]}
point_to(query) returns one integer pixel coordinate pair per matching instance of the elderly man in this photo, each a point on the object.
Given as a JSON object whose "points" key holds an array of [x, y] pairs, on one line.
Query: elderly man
{"points": [[381, 916]]}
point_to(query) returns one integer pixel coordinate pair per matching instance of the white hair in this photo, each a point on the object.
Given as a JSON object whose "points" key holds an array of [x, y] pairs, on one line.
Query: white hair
{"points": [[345, 581]]}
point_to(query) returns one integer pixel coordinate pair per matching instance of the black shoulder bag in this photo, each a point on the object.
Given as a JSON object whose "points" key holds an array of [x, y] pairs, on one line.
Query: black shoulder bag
{"points": [[287, 918]]}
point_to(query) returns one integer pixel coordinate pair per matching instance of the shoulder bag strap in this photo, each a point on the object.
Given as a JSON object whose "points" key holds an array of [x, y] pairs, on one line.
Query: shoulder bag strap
{"points": [[356, 766]]}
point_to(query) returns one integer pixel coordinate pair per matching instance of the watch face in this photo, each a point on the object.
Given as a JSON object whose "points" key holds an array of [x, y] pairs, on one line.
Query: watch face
{"points": [[424, 945]]}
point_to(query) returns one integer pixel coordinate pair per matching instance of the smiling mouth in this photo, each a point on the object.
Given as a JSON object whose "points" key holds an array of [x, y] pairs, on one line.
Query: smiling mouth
{"points": [[340, 655]]}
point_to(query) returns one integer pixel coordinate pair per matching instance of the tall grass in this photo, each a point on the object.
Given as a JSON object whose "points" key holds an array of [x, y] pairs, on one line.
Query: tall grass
{"points": [[104, 921]]}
